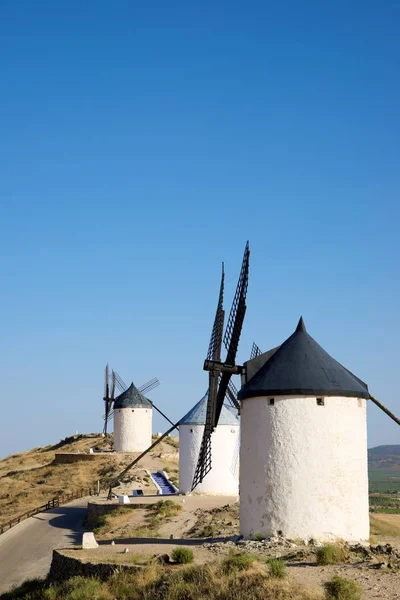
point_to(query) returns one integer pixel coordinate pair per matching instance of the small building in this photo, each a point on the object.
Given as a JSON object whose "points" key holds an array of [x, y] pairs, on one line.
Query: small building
{"points": [[133, 415], [303, 455], [223, 479]]}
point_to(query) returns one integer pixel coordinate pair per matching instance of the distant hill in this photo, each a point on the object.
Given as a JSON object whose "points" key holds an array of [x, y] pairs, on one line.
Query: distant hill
{"points": [[384, 457]]}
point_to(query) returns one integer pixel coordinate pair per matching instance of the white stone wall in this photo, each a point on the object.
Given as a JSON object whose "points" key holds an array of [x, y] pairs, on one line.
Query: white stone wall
{"points": [[303, 468], [223, 478], [132, 429]]}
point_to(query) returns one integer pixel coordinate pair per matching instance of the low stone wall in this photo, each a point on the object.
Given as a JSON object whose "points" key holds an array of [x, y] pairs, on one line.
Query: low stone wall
{"points": [[96, 510], [61, 458], [63, 567]]}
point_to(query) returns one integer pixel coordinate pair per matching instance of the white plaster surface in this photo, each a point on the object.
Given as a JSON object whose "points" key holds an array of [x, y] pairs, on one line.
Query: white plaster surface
{"points": [[132, 429], [89, 541], [303, 468], [223, 478], [124, 499]]}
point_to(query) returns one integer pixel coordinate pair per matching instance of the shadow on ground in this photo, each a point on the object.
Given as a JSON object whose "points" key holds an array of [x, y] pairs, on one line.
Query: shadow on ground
{"points": [[161, 541], [66, 517]]}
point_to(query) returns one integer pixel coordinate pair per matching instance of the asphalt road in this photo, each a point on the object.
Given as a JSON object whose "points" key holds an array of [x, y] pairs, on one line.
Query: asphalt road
{"points": [[26, 549]]}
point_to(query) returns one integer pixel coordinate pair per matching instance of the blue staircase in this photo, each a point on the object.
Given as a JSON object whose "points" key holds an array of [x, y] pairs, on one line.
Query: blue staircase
{"points": [[165, 485]]}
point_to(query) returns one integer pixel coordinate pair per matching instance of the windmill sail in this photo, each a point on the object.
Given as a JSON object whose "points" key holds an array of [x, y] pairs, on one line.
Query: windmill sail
{"points": [[255, 351], [220, 373]]}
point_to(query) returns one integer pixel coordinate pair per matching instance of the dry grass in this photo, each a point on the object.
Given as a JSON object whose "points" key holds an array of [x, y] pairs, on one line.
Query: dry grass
{"points": [[339, 588], [154, 582], [172, 441], [385, 525], [332, 554], [115, 518], [125, 520], [30, 479]]}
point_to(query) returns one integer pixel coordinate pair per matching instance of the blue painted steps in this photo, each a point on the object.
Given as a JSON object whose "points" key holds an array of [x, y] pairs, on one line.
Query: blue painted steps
{"points": [[166, 487]]}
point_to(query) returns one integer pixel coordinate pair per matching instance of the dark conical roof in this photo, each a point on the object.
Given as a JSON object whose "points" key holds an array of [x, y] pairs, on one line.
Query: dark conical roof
{"points": [[301, 367], [197, 414], [132, 398]]}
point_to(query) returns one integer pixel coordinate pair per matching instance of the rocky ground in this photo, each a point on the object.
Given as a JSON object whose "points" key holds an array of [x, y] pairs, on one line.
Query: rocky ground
{"points": [[208, 525]]}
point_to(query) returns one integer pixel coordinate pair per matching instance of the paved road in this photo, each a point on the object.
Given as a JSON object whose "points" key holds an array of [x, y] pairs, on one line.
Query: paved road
{"points": [[26, 549]]}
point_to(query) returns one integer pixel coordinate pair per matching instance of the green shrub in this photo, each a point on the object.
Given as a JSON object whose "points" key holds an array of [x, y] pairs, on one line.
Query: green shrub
{"points": [[77, 588], [277, 568], [207, 531], [339, 588], [197, 575], [182, 555], [332, 554], [100, 522], [144, 532], [238, 561], [28, 589], [257, 536], [166, 508]]}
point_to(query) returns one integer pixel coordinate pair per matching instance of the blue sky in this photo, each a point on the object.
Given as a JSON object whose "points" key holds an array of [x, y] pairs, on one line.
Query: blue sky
{"points": [[142, 144]]}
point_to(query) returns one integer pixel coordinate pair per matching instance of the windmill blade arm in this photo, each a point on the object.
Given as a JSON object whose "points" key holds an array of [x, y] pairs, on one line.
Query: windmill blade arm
{"points": [[162, 414], [238, 310], [255, 351], [222, 391], [385, 409], [150, 385], [214, 348], [106, 382], [120, 383], [107, 414], [204, 459], [112, 385], [134, 462], [231, 394]]}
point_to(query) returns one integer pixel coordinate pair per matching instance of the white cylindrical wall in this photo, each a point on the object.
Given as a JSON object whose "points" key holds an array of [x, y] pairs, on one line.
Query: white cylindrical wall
{"points": [[132, 429], [223, 479], [303, 468]]}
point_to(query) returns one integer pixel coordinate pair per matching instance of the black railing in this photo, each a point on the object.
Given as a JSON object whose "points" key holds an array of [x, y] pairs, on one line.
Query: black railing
{"points": [[53, 503]]}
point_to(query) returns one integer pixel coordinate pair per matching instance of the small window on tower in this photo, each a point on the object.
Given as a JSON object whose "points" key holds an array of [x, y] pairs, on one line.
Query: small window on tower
{"points": [[271, 401], [321, 401]]}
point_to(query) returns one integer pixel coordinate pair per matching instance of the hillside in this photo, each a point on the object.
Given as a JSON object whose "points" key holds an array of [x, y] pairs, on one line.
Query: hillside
{"points": [[384, 457], [31, 478]]}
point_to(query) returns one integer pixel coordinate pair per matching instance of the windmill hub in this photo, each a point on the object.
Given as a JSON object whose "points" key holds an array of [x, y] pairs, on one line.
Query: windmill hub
{"points": [[215, 365]]}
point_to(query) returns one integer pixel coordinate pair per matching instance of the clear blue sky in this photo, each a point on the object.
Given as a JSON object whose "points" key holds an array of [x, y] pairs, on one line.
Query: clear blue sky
{"points": [[142, 144]]}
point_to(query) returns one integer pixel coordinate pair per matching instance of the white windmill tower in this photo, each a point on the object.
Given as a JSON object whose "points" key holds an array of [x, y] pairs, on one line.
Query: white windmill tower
{"points": [[133, 414], [304, 471], [303, 457], [111, 381], [223, 479]]}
